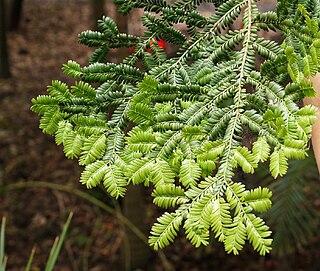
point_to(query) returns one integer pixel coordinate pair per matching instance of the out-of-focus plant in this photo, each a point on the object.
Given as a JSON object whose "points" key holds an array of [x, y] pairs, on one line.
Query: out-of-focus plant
{"points": [[92, 200], [54, 253], [3, 258], [293, 216]]}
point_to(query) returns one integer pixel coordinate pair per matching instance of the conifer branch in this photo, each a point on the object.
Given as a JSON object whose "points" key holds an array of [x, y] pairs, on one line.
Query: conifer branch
{"points": [[179, 124]]}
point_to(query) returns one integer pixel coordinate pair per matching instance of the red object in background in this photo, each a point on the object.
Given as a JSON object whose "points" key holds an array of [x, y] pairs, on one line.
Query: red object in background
{"points": [[160, 42]]}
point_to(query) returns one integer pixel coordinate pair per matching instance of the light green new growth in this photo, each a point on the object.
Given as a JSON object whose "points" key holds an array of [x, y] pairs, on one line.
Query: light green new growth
{"points": [[192, 112]]}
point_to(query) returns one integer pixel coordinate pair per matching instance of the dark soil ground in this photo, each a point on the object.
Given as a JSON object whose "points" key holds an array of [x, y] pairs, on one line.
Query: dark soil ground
{"points": [[46, 39]]}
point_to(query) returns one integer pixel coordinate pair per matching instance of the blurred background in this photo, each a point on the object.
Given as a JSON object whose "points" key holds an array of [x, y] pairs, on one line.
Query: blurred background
{"points": [[39, 186]]}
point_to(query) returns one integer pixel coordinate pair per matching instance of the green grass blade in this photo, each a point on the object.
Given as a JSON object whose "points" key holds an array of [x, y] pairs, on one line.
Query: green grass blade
{"points": [[4, 263], [30, 259], [3, 260], [55, 250], [52, 252]]}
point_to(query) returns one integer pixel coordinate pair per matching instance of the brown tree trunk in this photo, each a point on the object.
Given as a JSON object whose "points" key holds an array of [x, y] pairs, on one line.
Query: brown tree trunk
{"points": [[316, 127], [97, 11], [134, 204], [137, 254], [122, 23], [14, 10], [4, 58]]}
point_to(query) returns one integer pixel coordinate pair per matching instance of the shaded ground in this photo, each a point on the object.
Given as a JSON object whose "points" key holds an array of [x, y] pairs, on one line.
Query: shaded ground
{"points": [[46, 39]]}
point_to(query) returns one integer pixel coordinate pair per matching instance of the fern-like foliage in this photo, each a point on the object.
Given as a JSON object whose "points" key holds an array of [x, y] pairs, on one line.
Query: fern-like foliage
{"points": [[191, 112]]}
